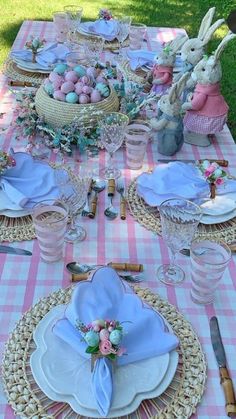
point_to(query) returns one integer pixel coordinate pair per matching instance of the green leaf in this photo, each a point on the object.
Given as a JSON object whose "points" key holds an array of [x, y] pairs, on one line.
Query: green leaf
{"points": [[111, 357], [92, 349]]}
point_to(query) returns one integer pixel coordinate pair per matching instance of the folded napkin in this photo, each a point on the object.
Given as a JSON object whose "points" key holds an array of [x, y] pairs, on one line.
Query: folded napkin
{"points": [[45, 57], [175, 180], [106, 28], [106, 297], [28, 182], [140, 57]]}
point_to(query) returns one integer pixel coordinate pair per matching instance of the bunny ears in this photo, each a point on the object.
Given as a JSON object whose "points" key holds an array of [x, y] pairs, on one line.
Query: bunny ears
{"points": [[177, 88], [230, 35], [206, 30], [173, 46]]}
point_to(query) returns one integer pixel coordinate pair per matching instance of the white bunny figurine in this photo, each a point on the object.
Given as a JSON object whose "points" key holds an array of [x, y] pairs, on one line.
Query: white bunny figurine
{"points": [[207, 110], [192, 50], [169, 122], [163, 69]]}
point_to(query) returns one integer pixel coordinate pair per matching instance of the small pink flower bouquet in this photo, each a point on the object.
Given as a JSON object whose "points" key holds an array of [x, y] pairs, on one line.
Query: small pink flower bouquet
{"points": [[6, 162], [213, 174], [105, 14], [34, 44], [103, 338]]}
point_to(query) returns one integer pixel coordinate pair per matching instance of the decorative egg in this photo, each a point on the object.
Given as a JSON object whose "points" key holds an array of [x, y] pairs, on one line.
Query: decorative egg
{"points": [[91, 72], [86, 80], [115, 337], [83, 99], [71, 76], [54, 77], [80, 71], [59, 95], [67, 87], [101, 79], [87, 90], [104, 334], [57, 83], [72, 97], [79, 87], [103, 89], [91, 338], [95, 96], [48, 87], [60, 68]]}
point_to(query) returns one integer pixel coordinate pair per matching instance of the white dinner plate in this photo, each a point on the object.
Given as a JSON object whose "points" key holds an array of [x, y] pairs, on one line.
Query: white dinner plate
{"points": [[9, 209], [32, 67], [220, 205], [216, 219], [154, 374]]}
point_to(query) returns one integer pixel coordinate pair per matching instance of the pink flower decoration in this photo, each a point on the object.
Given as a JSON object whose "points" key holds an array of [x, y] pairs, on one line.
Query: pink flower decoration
{"points": [[207, 173], [105, 347], [219, 181], [121, 351]]}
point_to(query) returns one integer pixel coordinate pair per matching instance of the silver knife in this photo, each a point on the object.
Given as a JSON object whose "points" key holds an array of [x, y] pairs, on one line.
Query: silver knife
{"points": [[14, 250], [223, 163], [225, 379]]}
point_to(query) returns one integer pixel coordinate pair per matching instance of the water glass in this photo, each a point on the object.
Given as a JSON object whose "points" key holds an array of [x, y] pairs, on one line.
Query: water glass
{"points": [[61, 26], [74, 14], [179, 221], [50, 220], [137, 34], [93, 46], [209, 260], [123, 28], [136, 139]]}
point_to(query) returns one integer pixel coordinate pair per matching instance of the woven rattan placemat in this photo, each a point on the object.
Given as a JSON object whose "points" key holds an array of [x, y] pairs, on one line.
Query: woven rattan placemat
{"points": [[15, 74], [149, 217], [28, 401]]}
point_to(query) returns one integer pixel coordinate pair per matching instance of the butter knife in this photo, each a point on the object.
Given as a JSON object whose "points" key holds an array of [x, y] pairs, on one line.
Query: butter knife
{"points": [[14, 250], [223, 163], [225, 379]]}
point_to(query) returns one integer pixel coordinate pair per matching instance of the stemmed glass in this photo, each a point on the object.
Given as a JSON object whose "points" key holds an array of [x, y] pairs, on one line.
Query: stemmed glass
{"points": [[74, 14], [93, 46], [112, 131], [123, 28], [73, 191], [179, 221]]}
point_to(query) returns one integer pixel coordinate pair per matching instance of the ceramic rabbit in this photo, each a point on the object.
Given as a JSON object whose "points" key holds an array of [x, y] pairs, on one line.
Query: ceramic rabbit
{"points": [[169, 122], [207, 110], [163, 69], [192, 50]]}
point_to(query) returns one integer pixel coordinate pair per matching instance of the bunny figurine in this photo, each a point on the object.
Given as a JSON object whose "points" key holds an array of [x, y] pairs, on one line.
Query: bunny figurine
{"points": [[207, 110], [169, 122], [163, 69], [192, 50]]}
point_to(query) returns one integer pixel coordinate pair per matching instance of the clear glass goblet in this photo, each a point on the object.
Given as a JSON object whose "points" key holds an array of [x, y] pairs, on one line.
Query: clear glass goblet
{"points": [[74, 14], [73, 191], [123, 28], [93, 46], [179, 221], [112, 131]]}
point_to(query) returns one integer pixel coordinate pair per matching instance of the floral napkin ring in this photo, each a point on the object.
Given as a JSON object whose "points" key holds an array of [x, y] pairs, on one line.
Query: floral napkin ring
{"points": [[105, 14], [213, 174], [103, 338], [6, 162], [34, 44]]}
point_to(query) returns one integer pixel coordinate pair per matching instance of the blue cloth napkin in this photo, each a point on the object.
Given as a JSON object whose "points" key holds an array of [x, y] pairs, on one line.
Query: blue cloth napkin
{"points": [[141, 57], [106, 28], [107, 297], [45, 57], [28, 182]]}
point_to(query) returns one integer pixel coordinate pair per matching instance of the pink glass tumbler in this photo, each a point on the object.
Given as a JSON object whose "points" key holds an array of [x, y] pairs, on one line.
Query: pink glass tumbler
{"points": [[50, 221]]}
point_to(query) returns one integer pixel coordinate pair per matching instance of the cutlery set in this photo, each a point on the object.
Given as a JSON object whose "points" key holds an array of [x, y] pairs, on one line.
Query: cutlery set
{"points": [[97, 186]]}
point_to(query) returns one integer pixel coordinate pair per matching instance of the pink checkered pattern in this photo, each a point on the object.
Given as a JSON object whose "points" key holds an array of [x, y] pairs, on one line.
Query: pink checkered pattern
{"points": [[26, 279]]}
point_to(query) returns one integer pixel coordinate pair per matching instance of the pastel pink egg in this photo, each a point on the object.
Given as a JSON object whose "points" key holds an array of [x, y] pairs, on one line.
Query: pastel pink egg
{"points": [[87, 90], [104, 334], [57, 84], [95, 96], [58, 95], [85, 80], [53, 76], [83, 98], [71, 76], [91, 72], [67, 87], [101, 79], [79, 87]]}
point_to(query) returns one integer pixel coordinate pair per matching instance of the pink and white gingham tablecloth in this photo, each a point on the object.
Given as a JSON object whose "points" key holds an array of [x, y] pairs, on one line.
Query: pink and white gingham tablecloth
{"points": [[26, 279]]}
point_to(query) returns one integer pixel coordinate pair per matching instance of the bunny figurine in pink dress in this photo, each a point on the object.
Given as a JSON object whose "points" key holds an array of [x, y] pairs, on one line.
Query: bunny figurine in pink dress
{"points": [[206, 110]]}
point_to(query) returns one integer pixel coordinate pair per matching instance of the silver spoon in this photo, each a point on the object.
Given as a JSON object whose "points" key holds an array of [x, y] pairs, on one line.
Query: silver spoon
{"points": [[97, 186], [79, 268], [111, 212]]}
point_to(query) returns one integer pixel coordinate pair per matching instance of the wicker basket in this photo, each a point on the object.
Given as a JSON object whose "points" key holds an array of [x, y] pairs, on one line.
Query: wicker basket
{"points": [[58, 114]]}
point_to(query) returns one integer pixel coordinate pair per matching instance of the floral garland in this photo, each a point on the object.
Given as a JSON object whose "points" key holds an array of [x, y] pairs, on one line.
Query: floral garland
{"points": [[103, 338], [105, 14], [6, 162], [212, 172]]}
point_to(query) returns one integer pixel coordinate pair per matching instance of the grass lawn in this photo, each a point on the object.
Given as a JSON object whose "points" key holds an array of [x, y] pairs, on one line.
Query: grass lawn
{"points": [[170, 13]]}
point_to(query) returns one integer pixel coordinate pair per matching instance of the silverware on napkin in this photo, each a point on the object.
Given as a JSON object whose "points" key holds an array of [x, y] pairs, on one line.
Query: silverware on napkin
{"points": [[14, 250], [223, 163], [225, 379]]}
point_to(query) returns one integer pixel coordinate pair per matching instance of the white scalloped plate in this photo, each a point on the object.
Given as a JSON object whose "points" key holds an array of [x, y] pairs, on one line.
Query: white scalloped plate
{"points": [[154, 374]]}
